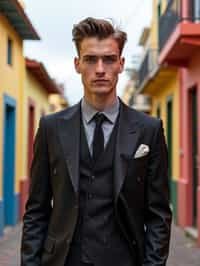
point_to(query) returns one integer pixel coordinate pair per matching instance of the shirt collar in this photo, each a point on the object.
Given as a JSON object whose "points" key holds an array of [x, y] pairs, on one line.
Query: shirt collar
{"points": [[88, 111]]}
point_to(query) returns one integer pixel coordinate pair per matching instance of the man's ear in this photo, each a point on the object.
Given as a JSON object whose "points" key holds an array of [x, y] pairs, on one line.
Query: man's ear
{"points": [[77, 64], [122, 62]]}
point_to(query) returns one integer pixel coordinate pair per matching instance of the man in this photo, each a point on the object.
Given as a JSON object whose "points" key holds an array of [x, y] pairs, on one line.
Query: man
{"points": [[99, 184]]}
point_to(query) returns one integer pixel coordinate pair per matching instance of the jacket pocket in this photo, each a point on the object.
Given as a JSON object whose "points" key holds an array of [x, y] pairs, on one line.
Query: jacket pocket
{"points": [[49, 244], [137, 166]]}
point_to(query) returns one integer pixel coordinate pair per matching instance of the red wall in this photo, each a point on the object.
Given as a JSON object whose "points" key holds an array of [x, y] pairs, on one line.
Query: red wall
{"points": [[189, 77]]}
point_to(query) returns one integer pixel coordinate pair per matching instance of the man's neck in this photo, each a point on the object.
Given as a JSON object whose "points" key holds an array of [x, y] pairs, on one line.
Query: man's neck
{"points": [[100, 102]]}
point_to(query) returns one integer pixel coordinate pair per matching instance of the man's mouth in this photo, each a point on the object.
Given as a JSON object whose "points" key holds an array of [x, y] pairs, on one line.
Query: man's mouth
{"points": [[100, 81]]}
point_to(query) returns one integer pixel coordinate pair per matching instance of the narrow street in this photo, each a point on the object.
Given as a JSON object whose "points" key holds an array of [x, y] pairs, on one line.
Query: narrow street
{"points": [[183, 250], [9, 246]]}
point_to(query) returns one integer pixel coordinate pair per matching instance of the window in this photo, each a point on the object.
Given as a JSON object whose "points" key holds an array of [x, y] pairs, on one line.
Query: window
{"points": [[158, 111], [10, 52], [196, 10], [159, 9]]}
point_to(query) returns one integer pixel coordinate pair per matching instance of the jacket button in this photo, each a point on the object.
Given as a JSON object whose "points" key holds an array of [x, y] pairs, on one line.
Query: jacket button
{"points": [[68, 241], [90, 196], [54, 171], [139, 179], [104, 240], [134, 242]]}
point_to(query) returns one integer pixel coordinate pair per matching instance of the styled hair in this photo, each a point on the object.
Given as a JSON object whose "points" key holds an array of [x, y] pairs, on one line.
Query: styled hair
{"points": [[99, 28]]}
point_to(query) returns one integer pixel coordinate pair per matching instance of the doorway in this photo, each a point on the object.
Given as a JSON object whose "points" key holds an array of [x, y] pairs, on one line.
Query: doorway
{"points": [[31, 127], [172, 182], [193, 135], [9, 160]]}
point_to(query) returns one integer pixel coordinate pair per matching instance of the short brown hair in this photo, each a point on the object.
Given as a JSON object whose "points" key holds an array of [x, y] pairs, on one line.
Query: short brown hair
{"points": [[100, 28]]}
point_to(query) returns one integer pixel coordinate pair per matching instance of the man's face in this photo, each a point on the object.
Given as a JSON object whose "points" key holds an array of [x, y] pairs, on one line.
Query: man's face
{"points": [[99, 64]]}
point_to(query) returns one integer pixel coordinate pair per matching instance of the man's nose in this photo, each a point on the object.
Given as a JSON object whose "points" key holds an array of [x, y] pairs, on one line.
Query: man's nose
{"points": [[100, 66]]}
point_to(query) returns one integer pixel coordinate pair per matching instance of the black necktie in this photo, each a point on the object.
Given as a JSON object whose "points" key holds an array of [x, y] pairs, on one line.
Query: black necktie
{"points": [[98, 140]]}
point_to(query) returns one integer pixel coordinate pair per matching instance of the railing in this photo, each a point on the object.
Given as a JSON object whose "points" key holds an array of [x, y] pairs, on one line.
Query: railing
{"points": [[194, 12], [148, 65], [168, 22], [172, 16], [143, 70]]}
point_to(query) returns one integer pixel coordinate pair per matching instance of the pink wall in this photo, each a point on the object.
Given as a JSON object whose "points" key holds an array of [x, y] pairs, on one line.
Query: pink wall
{"points": [[189, 78], [185, 8]]}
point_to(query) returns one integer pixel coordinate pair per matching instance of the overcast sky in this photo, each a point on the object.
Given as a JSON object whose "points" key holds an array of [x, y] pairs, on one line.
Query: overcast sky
{"points": [[54, 20]]}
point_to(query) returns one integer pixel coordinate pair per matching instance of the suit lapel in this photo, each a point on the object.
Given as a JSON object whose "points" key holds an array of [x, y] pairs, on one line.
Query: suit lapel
{"points": [[128, 134], [69, 135]]}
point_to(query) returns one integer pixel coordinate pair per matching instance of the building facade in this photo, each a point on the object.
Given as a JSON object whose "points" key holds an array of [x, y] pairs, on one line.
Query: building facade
{"points": [[25, 87], [15, 27], [38, 85], [180, 47], [161, 83]]}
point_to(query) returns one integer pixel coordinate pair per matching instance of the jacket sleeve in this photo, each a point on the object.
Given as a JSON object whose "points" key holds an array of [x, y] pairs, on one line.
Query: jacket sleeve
{"points": [[38, 206], [157, 211]]}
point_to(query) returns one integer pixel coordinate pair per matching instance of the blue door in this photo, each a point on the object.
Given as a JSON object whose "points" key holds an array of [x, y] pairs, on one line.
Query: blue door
{"points": [[9, 161]]}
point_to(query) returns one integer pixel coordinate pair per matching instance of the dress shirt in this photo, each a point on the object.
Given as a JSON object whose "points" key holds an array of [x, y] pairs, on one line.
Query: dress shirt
{"points": [[88, 113]]}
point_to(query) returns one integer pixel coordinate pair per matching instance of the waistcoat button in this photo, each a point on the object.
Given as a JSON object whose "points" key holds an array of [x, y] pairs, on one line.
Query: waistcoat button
{"points": [[90, 196], [55, 171], [134, 242]]}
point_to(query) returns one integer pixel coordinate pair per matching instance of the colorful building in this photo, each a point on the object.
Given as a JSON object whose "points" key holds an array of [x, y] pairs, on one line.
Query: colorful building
{"points": [[15, 27], [58, 101], [128, 92], [179, 43], [35, 103], [161, 83]]}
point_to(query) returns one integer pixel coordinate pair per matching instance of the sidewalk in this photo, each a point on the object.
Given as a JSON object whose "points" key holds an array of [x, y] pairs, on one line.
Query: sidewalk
{"points": [[183, 251], [9, 246]]}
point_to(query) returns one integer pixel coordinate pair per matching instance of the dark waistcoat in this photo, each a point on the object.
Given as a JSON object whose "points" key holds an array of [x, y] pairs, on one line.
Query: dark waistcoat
{"points": [[97, 236]]}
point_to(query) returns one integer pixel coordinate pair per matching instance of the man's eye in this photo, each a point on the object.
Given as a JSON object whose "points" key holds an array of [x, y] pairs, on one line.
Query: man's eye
{"points": [[109, 59], [90, 59]]}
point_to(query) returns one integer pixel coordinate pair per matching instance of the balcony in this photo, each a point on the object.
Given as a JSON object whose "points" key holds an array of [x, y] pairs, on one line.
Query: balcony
{"points": [[179, 32], [148, 66], [151, 75]]}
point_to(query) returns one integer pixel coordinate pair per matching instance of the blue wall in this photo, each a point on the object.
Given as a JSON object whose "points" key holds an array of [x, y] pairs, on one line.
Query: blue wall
{"points": [[10, 198], [1, 218]]}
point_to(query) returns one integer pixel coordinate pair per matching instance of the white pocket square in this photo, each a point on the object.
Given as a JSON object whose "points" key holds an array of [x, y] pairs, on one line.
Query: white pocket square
{"points": [[142, 150]]}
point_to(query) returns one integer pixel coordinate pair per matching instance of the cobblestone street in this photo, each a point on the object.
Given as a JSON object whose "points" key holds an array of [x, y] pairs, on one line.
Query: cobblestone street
{"points": [[9, 247], [183, 250]]}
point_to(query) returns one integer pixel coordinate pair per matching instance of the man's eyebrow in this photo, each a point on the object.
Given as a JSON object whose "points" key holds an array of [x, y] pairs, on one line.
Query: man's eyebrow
{"points": [[87, 55], [100, 55]]}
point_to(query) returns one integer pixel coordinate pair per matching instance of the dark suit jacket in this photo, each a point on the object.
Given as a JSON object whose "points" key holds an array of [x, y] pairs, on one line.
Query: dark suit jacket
{"points": [[140, 189]]}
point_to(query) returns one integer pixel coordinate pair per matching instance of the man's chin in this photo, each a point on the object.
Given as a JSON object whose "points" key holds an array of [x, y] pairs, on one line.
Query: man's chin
{"points": [[101, 90]]}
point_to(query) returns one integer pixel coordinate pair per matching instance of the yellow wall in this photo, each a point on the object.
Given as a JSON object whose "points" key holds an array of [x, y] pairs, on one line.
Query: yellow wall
{"points": [[167, 87], [155, 21], [11, 83], [154, 28], [39, 95], [57, 102], [160, 98]]}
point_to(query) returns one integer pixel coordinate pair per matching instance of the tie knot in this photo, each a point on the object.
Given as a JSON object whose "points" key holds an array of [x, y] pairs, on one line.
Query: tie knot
{"points": [[99, 118]]}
